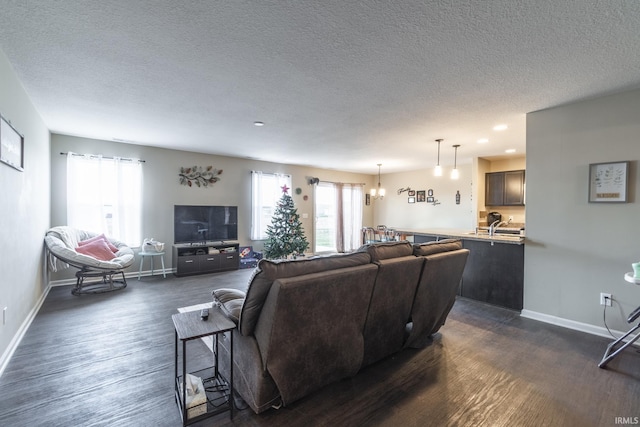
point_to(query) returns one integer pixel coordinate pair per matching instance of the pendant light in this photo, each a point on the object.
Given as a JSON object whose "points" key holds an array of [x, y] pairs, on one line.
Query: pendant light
{"points": [[379, 194], [438, 169], [454, 173]]}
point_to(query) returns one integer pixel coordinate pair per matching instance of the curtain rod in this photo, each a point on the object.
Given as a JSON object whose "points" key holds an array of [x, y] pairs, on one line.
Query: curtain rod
{"points": [[347, 183], [271, 173], [104, 157]]}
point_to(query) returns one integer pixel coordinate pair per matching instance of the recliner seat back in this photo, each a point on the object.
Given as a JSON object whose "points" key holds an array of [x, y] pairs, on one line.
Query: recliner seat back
{"points": [[437, 289]]}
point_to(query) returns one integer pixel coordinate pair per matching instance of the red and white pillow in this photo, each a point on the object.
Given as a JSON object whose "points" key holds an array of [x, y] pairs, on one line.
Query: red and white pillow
{"points": [[97, 247]]}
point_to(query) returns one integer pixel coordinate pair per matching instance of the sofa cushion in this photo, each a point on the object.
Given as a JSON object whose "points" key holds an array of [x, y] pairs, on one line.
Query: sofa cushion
{"points": [[270, 270], [387, 250], [436, 294], [430, 248], [310, 331], [390, 306], [230, 302]]}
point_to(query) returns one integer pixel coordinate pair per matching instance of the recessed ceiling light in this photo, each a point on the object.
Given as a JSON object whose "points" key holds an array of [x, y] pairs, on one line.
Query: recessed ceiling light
{"points": [[258, 123], [510, 150], [483, 141], [500, 127]]}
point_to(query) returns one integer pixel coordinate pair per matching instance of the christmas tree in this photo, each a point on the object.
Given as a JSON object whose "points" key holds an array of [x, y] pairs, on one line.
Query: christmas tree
{"points": [[285, 235]]}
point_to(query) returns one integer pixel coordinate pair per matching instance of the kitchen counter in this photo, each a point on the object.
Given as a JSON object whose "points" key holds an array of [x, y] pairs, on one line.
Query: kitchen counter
{"points": [[494, 272], [453, 233]]}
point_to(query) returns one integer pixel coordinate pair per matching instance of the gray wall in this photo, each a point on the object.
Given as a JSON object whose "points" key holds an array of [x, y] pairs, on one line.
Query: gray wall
{"points": [[395, 211], [576, 249], [162, 190], [24, 211]]}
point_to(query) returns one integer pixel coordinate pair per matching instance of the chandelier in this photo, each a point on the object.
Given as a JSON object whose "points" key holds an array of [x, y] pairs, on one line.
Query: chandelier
{"points": [[380, 192]]}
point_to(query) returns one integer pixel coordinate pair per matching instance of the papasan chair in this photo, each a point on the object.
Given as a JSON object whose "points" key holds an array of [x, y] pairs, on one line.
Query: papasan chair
{"points": [[93, 254]]}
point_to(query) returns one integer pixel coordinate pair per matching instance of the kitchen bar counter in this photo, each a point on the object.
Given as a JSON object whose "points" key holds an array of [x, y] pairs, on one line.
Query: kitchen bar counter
{"points": [[495, 268], [453, 233]]}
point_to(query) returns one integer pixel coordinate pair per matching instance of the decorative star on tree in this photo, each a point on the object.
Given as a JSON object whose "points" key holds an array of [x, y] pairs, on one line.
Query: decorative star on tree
{"points": [[285, 235]]}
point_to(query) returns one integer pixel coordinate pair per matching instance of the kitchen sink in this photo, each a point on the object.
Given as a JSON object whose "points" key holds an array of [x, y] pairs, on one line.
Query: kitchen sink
{"points": [[505, 230], [502, 230]]}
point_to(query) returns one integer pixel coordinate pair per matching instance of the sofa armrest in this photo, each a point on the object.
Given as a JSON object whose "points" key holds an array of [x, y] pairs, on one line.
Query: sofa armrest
{"points": [[230, 302]]}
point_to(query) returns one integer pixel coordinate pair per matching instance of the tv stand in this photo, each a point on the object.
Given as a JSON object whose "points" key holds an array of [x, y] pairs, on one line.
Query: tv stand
{"points": [[202, 258]]}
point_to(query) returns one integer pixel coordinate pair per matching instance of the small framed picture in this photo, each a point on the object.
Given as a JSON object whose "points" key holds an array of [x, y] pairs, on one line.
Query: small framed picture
{"points": [[429, 199], [608, 182], [11, 145], [412, 193], [411, 200], [367, 199], [421, 196], [430, 192]]}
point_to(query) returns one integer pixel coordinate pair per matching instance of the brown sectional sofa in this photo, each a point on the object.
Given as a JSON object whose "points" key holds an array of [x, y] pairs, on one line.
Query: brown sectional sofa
{"points": [[306, 323]]}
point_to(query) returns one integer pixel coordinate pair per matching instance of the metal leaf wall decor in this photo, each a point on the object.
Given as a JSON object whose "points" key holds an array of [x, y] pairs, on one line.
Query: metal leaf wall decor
{"points": [[201, 177]]}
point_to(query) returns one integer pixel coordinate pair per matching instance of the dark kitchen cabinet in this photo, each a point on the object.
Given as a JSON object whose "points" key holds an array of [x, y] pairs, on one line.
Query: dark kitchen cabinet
{"points": [[504, 188], [423, 238], [494, 273]]}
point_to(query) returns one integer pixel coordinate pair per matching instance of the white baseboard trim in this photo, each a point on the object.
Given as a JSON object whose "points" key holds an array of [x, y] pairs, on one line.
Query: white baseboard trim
{"points": [[63, 282], [129, 275], [13, 345], [571, 324]]}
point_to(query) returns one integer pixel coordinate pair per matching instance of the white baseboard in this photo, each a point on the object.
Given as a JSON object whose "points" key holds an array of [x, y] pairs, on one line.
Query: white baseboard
{"points": [[13, 345], [571, 324], [128, 275]]}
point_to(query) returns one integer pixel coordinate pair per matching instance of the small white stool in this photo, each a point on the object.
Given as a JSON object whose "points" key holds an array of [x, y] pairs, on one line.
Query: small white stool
{"points": [[151, 255]]}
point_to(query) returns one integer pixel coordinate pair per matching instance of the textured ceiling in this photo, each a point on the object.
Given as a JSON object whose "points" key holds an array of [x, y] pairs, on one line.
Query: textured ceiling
{"points": [[339, 84]]}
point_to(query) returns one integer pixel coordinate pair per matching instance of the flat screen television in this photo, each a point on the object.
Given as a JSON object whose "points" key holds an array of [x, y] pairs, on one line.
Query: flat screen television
{"points": [[192, 224]]}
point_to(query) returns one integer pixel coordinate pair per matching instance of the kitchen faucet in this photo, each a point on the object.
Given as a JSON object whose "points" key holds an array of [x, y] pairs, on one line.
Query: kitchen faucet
{"points": [[493, 226]]}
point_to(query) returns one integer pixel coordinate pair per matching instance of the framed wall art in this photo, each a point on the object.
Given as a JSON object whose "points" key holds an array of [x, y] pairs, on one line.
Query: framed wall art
{"points": [[609, 182], [421, 196], [11, 145], [411, 200], [412, 193]]}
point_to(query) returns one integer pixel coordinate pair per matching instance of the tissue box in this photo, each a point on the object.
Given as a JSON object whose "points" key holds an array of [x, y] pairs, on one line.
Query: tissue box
{"points": [[196, 396]]}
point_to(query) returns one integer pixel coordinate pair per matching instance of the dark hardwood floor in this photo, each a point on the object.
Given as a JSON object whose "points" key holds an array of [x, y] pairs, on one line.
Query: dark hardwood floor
{"points": [[108, 360]]}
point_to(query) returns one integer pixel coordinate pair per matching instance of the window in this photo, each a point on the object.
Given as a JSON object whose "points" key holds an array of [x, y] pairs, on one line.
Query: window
{"points": [[104, 196], [266, 190], [350, 227], [326, 218], [338, 217]]}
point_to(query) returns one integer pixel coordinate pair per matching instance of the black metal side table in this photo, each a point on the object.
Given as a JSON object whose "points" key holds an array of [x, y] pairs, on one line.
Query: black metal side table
{"points": [[189, 326]]}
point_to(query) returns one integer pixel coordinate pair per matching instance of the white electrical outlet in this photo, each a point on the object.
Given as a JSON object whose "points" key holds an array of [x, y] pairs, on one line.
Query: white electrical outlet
{"points": [[605, 299]]}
